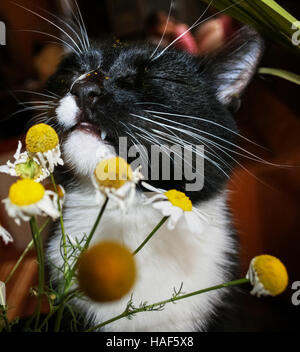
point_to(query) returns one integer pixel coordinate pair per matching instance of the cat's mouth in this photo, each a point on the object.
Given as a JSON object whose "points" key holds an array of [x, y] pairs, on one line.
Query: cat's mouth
{"points": [[91, 128]]}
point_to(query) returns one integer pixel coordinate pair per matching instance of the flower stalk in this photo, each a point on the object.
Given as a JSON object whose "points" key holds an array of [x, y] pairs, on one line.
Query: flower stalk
{"points": [[38, 243], [161, 304], [61, 224], [27, 249], [71, 271], [157, 227]]}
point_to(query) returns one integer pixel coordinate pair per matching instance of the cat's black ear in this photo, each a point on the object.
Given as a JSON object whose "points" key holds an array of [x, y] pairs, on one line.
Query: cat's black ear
{"points": [[231, 69]]}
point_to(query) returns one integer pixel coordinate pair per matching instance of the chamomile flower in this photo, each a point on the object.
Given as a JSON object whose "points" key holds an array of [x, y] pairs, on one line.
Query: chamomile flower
{"points": [[28, 198], [25, 166], [106, 271], [115, 179], [42, 142], [5, 235], [176, 204], [60, 191], [268, 276]]}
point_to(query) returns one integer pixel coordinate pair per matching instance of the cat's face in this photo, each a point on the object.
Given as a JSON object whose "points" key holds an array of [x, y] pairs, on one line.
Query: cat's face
{"points": [[114, 91]]}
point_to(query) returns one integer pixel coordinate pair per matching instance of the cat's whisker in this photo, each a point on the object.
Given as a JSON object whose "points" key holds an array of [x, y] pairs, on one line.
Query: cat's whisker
{"points": [[79, 23], [237, 162], [84, 31], [184, 33], [196, 24], [184, 143], [248, 155], [52, 23], [205, 120], [36, 119], [46, 103], [53, 94], [80, 39], [163, 35], [37, 93], [60, 41], [130, 133], [151, 138], [31, 108], [147, 102], [154, 141]]}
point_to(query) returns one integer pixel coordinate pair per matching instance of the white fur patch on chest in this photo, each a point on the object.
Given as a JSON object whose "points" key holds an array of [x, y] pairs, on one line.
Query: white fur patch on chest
{"points": [[169, 259]]}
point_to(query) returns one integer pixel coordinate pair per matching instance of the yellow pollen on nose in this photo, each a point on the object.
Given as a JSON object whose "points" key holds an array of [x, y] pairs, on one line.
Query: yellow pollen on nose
{"points": [[271, 273], [41, 138], [26, 192], [113, 173], [179, 199]]}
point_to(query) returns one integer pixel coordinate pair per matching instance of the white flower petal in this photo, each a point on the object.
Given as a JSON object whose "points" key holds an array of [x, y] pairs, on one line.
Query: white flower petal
{"points": [[7, 170], [5, 235], [49, 159], [258, 288], [164, 207], [48, 205], [154, 198], [22, 158], [151, 188], [123, 196], [175, 216], [18, 152]]}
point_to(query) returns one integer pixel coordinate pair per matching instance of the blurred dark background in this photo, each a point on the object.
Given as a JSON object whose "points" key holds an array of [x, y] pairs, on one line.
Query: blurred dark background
{"points": [[264, 200]]}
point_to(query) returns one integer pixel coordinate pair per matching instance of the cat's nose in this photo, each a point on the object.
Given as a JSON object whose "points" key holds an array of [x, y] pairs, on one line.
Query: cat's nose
{"points": [[86, 92]]}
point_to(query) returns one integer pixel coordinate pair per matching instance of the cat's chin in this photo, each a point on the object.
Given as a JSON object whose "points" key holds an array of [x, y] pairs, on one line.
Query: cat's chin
{"points": [[82, 151]]}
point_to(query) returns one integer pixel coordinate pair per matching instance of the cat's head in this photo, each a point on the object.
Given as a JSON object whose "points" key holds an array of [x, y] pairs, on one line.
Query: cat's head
{"points": [[119, 90]]}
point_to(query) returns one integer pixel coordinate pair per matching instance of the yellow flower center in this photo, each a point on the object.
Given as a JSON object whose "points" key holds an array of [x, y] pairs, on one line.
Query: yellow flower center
{"points": [[113, 173], [179, 199], [26, 192], [41, 138], [271, 273], [106, 271]]}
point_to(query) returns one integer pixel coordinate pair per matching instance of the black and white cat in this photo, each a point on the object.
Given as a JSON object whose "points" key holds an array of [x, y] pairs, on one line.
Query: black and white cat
{"points": [[190, 97]]}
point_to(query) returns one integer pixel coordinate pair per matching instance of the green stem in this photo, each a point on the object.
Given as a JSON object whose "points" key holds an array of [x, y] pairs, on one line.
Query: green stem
{"points": [[162, 303], [27, 249], [66, 297], [72, 271], [289, 76], [37, 239], [62, 226], [157, 227], [42, 228], [87, 243]]}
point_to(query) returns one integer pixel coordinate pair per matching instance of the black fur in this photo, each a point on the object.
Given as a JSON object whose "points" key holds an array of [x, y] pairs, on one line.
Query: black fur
{"points": [[175, 83]]}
